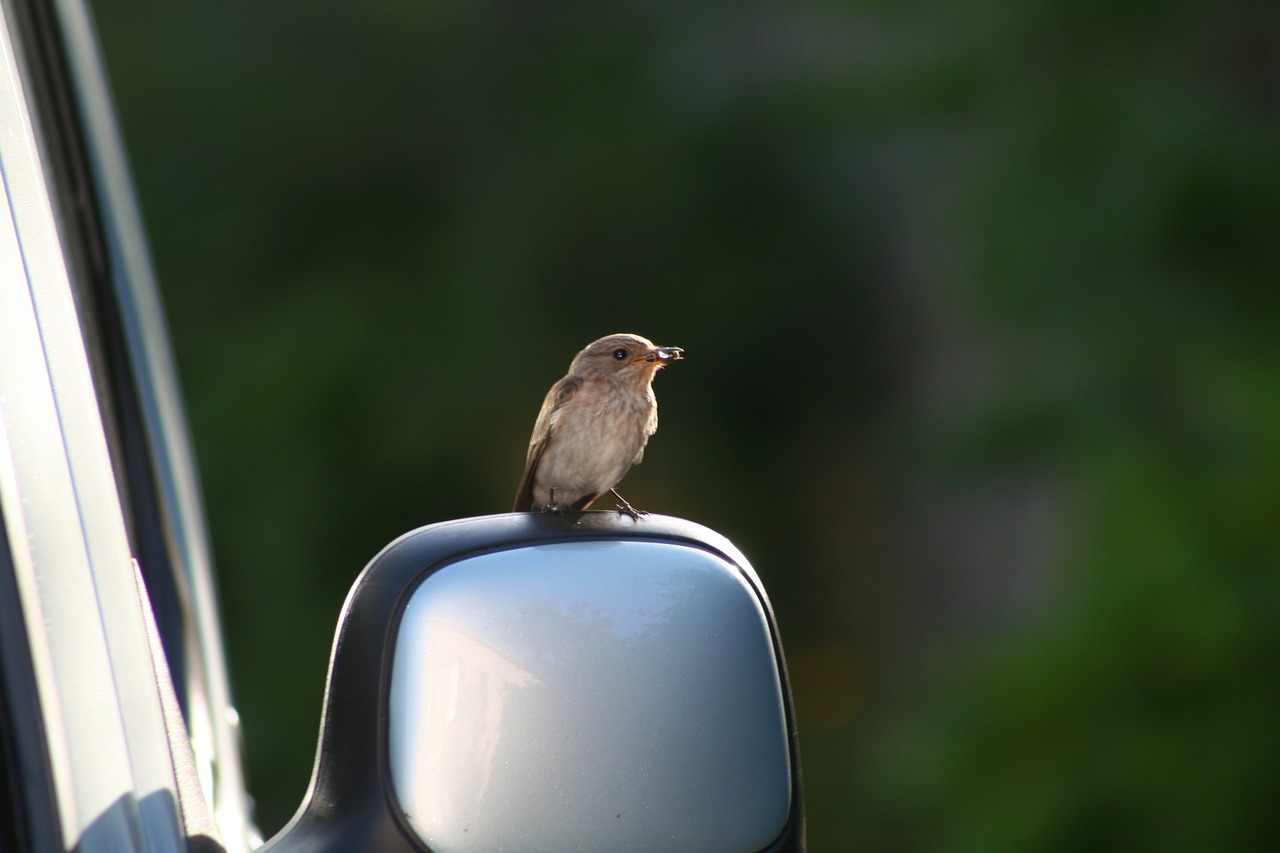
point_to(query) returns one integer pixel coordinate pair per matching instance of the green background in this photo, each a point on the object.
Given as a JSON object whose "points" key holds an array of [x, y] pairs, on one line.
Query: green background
{"points": [[980, 302]]}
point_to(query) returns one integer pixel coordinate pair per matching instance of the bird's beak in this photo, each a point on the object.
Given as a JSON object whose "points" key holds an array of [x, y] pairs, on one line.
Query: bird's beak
{"points": [[662, 355]]}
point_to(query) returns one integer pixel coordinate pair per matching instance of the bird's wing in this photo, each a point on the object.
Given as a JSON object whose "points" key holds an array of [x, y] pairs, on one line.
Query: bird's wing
{"points": [[543, 432]]}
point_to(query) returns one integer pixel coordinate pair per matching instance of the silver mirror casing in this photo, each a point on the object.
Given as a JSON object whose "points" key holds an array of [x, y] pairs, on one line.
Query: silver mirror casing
{"points": [[534, 683], [598, 695]]}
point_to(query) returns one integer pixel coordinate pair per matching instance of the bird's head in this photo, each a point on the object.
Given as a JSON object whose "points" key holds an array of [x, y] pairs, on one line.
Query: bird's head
{"points": [[623, 357]]}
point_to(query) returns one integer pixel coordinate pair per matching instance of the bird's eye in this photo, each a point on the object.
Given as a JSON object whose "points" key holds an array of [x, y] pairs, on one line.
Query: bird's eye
{"points": [[619, 354]]}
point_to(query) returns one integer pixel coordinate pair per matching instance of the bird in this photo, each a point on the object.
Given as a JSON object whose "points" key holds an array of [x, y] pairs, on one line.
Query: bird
{"points": [[593, 426]]}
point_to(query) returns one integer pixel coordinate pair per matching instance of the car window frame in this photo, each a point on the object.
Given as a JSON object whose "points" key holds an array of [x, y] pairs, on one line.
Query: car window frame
{"points": [[80, 226]]}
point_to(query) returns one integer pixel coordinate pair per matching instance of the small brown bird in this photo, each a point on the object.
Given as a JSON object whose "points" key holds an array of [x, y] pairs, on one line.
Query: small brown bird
{"points": [[593, 425]]}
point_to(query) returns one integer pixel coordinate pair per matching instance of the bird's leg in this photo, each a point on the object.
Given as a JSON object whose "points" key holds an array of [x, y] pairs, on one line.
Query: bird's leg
{"points": [[625, 508], [552, 506]]}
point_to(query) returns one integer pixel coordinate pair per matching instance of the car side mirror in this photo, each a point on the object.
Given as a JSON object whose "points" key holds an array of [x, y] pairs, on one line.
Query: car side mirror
{"points": [[530, 682]]}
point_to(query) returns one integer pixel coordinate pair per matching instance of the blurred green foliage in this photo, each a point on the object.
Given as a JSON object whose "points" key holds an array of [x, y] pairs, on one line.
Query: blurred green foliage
{"points": [[981, 306]]}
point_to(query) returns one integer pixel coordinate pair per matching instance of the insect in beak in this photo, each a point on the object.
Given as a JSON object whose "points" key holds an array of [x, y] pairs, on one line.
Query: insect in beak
{"points": [[662, 355]]}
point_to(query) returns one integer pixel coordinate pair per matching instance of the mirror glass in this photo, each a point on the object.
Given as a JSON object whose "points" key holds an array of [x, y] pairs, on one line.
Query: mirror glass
{"points": [[590, 695]]}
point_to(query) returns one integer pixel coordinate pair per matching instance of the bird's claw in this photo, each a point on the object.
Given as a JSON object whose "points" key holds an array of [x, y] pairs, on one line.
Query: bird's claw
{"points": [[628, 509], [554, 506], [625, 508]]}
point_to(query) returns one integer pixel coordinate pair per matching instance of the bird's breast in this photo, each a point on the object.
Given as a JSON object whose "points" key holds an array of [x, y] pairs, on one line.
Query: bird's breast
{"points": [[596, 437]]}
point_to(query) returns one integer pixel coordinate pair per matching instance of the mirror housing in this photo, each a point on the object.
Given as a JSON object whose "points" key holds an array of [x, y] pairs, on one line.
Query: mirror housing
{"points": [[533, 682]]}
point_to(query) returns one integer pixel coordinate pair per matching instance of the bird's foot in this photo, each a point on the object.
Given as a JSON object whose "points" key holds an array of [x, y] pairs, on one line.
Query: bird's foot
{"points": [[625, 508], [554, 506]]}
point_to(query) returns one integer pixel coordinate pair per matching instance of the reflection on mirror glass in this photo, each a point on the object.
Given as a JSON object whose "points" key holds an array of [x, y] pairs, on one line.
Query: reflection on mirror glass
{"points": [[589, 696]]}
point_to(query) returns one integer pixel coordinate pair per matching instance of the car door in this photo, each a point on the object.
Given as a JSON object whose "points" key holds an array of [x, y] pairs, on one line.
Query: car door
{"points": [[116, 731]]}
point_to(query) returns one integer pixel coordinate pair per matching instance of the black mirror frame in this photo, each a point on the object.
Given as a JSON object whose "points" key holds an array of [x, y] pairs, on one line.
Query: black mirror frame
{"points": [[350, 803]]}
